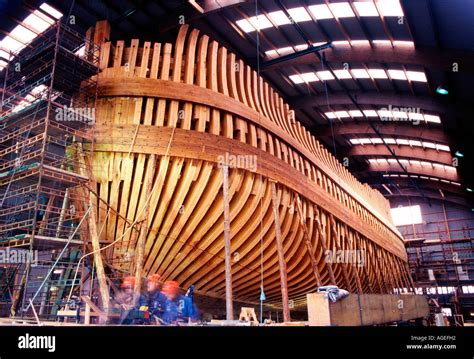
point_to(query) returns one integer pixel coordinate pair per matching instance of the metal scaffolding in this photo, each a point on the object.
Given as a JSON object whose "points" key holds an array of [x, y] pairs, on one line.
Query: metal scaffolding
{"points": [[47, 111]]}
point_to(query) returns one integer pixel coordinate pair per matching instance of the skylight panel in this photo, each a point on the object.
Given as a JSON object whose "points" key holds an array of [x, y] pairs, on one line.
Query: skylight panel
{"points": [[382, 42], [285, 50], [245, 25], [296, 79], [23, 33], [415, 116], [442, 148], [279, 18], [260, 22], [341, 9], [51, 11], [331, 115], [360, 73], [389, 141], [354, 141], [36, 23], [325, 75], [401, 141], [321, 12], [429, 145], [377, 73], [376, 141], [397, 74], [390, 7], [403, 43], [341, 43], [355, 113], [272, 53], [342, 74], [400, 115], [299, 14], [385, 113], [11, 44], [366, 9], [416, 76], [365, 141], [370, 113], [342, 114], [309, 77], [432, 118], [415, 143]]}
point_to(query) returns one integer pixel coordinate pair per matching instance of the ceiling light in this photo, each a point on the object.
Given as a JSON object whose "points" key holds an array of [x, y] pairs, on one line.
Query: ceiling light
{"points": [[397, 74], [342, 74], [360, 74], [279, 18], [320, 12], [459, 154], [416, 76], [469, 189], [390, 8], [366, 9], [341, 9], [299, 14], [325, 75], [442, 90], [260, 22], [377, 73]]}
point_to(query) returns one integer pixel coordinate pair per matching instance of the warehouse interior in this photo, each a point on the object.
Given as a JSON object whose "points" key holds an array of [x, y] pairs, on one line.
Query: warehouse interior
{"points": [[263, 162]]}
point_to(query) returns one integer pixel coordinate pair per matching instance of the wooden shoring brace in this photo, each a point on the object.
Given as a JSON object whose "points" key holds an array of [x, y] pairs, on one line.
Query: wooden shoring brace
{"points": [[227, 244], [351, 239], [388, 271], [281, 256], [309, 246], [336, 237], [144, 228], [321, 239]]}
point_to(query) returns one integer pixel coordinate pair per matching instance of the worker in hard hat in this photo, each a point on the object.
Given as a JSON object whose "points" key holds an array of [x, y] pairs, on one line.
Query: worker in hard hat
{"points": [[178, 308], [152, 299], [125, 299]]}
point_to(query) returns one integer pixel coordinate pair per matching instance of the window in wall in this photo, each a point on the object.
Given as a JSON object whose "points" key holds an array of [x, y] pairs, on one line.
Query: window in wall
{"points": [[403, 216]]}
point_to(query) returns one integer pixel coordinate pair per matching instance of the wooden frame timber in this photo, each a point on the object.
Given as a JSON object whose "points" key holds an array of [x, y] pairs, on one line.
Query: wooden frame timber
{"points": [[178, 114]]}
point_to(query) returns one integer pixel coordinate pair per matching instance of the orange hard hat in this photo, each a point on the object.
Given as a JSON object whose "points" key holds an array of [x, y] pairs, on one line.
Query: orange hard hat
{"points": [[170, 287], [154, 278], [128, 282]]}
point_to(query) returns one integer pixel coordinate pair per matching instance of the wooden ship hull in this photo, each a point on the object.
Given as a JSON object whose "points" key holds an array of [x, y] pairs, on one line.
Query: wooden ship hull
{"points": [[169, 118]]}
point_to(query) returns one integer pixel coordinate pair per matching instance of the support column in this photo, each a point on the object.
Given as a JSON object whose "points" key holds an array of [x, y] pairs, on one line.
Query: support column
{"points": [[227, 245], [281, 258]]}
